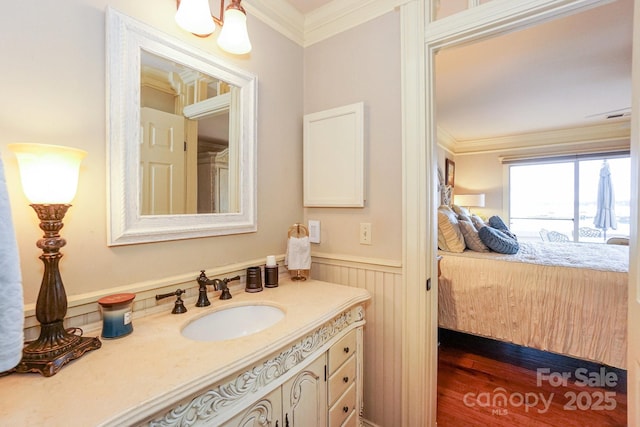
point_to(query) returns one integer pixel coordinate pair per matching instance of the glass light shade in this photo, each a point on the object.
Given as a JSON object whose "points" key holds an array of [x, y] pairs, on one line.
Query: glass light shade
{"points": [[195, 16], [474, 200], [49, 173], [234, 37]]}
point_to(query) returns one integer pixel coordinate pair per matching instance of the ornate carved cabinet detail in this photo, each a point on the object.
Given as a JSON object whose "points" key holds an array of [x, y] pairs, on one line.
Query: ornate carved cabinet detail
{"points": [[317, 381]]}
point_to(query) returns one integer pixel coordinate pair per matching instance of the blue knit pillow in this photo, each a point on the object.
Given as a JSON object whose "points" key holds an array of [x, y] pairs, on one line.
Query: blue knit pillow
{"points": [[498, 241], [497, 223]]}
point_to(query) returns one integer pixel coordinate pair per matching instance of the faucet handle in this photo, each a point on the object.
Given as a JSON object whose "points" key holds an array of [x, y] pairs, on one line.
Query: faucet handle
{"points": [[203, 280], [222, 285], [231, 279], [178, 307]]}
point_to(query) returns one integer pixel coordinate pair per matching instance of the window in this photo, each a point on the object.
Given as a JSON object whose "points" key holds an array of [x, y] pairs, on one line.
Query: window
{"points": [[558, 199]]}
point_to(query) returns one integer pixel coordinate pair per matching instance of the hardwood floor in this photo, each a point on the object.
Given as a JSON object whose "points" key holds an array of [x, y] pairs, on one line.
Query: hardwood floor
{"points": [[484, 382]]}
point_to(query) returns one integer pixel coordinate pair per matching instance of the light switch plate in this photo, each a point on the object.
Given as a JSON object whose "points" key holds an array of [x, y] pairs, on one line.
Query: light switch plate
{"points": [[365, 233], [314, 231]]}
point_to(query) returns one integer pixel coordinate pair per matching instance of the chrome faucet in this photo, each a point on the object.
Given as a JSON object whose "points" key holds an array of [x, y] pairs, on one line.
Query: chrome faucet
{"points": [[218, 285]]}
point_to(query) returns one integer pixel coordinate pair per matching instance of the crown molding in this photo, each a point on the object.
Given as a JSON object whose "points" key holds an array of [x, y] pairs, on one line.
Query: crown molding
{"points": [[279, 15], [322, 23], [446, 141], [619, 130], [342, 15]]}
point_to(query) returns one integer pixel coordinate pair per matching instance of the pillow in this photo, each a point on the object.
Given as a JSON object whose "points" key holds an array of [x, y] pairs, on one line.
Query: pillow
{"points": [[460, 210], [471, 238], [478, 222], [497, 222], [498, 241], [450, 237]]}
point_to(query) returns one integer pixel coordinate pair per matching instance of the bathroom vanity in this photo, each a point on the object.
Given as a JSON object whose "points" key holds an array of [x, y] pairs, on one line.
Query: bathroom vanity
{"points": [[304, 370]]}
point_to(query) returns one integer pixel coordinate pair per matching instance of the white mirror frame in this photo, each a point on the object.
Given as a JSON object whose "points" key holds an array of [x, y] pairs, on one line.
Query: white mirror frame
{"points": [[126, 38]]}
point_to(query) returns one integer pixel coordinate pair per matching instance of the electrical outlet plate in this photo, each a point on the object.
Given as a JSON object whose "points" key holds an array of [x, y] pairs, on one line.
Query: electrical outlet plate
{"points": [[314, 231]]}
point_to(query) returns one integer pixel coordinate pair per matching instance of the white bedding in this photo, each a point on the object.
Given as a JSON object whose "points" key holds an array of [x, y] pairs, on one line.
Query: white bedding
{"points": [[568, 298]]}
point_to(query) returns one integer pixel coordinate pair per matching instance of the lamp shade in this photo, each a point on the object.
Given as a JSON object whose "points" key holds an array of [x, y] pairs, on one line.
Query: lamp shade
{"points": [[234, 37], [195, 16], [49, 173], [475, 200]]}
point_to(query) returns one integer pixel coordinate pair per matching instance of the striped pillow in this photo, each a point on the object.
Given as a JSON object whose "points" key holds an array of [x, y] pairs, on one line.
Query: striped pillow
{"points": [[450, 237], [471, 237]]}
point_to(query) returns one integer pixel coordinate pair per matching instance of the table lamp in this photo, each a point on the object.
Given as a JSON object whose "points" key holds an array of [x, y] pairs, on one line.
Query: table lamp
{"points": [[49, 176], [469, 200]]}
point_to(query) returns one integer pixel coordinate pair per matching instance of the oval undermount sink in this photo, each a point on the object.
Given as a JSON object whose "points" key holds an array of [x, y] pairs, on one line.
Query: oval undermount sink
{"points": [[233, 322]]}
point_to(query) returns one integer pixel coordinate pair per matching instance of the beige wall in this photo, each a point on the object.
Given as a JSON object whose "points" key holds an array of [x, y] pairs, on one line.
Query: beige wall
{"points": [[54, 92], [481, 173], [363, 64]]}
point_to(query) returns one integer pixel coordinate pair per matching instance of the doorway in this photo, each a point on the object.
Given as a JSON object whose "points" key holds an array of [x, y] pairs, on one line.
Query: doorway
{"points": [[451, 36]]}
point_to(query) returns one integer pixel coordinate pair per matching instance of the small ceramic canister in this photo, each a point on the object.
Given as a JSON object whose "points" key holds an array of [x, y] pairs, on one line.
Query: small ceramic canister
{"points": [[271, 272], [116, 315]]}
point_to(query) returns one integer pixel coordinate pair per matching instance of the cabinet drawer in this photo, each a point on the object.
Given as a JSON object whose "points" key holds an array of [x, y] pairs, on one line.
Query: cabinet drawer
{"points": [[344, 407], [341, 351], [342, 379]]}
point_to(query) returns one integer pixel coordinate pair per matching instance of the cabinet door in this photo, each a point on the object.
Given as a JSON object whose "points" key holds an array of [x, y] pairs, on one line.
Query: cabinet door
{"points": [[266, 412], [305, 397]]}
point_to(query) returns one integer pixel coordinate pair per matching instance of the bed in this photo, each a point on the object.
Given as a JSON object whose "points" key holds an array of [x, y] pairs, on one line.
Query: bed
{"points": [[566, 298]]}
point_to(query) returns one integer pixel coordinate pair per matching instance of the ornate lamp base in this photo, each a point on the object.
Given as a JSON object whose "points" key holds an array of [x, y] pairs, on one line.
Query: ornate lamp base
{"points": [[53, 349], [55, 346]]}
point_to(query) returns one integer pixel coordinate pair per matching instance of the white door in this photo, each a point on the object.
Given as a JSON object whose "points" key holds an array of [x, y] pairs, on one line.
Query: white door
{"points": [[162, 163], [633, 320]]}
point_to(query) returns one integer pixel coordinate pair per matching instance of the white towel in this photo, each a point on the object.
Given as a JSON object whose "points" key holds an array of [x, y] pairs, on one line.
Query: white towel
{"points": [[11, 302], [298, 253]]}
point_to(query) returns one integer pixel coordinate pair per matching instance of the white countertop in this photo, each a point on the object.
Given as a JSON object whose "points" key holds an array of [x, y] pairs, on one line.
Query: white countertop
{"points": [[156, 363]]}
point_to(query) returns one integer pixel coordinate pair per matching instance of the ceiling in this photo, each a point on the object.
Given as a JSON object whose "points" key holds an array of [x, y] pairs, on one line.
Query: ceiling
{"points": [[306, 6], [569, 73]]}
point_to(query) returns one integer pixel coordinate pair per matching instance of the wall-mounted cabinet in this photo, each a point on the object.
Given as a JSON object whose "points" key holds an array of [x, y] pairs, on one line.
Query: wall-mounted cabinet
{"points": [[334, 157]]}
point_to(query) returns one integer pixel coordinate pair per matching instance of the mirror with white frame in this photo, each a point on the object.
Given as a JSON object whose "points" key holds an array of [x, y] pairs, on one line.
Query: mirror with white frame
{"points": [[182, 139]]}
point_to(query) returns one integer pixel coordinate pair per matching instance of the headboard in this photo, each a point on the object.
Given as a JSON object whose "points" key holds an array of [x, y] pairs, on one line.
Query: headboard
{"points": [[446, 191]]}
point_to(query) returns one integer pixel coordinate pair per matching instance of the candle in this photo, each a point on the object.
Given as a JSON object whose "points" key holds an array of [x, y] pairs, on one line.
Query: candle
{"points": [[271, 261], [116, 314]]}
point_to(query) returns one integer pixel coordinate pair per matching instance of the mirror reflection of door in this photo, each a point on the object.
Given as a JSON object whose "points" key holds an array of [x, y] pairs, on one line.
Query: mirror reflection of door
{"points": [[188, 167], [162, 163]]}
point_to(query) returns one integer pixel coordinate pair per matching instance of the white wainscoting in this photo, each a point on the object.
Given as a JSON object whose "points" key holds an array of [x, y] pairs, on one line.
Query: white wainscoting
{"points": [[382, 332]]}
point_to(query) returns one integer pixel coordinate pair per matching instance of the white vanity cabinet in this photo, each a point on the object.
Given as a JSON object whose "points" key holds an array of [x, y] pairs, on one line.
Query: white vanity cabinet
{"points": [[266, 412], [315, 381], [304, 397], [342, 368], [303, 371], [301, 401]]}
